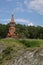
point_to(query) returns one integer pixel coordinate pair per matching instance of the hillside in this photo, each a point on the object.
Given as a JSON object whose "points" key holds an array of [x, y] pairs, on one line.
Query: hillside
{"points": [[21, 52]]}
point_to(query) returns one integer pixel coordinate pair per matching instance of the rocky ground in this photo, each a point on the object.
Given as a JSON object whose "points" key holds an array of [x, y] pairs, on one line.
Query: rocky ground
{"points": [[28, 57], [20, 55]]}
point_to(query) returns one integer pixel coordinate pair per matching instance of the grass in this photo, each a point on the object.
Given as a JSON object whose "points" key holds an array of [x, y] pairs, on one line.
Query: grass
{"points": [[22, 43], [13, 47], [32, 43], [10, 49], [9, 42]]}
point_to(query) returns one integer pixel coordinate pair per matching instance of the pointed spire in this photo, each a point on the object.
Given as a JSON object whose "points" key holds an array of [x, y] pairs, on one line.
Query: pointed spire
{"points": [[12, 19], [12, 14]]}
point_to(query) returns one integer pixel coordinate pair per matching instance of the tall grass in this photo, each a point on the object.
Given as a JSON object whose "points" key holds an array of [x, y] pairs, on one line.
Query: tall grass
{"points": [[26, 43], [31, 43]]}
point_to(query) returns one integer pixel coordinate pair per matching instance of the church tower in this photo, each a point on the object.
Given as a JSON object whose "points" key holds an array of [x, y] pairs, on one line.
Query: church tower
{"points": [[12, 29]]}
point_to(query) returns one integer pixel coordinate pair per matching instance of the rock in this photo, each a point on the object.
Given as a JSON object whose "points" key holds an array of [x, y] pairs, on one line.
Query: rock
{"points": [[29, 57], [1, 47]]}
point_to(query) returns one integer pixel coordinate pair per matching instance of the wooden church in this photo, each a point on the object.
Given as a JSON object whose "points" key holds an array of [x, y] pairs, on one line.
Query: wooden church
{"points": [[12, 29]]}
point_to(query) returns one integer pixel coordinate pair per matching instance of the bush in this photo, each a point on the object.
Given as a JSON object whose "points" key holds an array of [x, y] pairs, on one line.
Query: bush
{"points": [[29, 43], [25, 42], [7, 52], [34, 43], [1, 59]]}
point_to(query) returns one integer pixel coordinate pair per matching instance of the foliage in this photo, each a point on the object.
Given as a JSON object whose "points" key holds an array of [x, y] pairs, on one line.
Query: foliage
{"points": [[13, 48], [23, 31], [25, 42], [3, 30], [32, 43], [7, 51]]}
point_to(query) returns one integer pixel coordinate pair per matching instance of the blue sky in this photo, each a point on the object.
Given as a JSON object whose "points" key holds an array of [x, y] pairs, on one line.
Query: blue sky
{"points": [[29, 12]]}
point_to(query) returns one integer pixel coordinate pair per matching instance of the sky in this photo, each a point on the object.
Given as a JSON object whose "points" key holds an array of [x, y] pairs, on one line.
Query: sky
{"points": [[28, 12]]}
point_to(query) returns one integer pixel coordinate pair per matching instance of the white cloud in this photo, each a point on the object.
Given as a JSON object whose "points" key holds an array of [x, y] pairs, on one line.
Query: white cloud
{"points": [[36, 5], [23, 21], [4, 19], [40, 25], [17, 20], [30, 24]]}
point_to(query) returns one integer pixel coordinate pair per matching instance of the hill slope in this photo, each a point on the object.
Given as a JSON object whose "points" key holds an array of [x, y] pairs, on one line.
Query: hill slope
{"points": [[21, 52]]}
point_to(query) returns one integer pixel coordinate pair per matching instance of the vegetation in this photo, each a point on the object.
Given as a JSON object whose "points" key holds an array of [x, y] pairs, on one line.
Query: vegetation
{"points": [[9, 49], [23, 31], [3, 30], [12, 47], [28, 37], [32, 43]]}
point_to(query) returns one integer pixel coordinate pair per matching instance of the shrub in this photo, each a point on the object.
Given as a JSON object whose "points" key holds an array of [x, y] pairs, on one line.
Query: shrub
{"points": [[29, 43], [1, 59], [7, 52], [34, 43], [25, 42]]}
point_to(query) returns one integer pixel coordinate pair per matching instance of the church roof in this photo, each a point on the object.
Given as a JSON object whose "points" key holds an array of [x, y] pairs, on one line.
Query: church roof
{"points": [[12, 19]]}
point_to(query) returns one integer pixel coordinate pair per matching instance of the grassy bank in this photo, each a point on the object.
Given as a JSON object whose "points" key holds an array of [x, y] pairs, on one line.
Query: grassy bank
{"points": [[11, 48], [26, 43]]}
